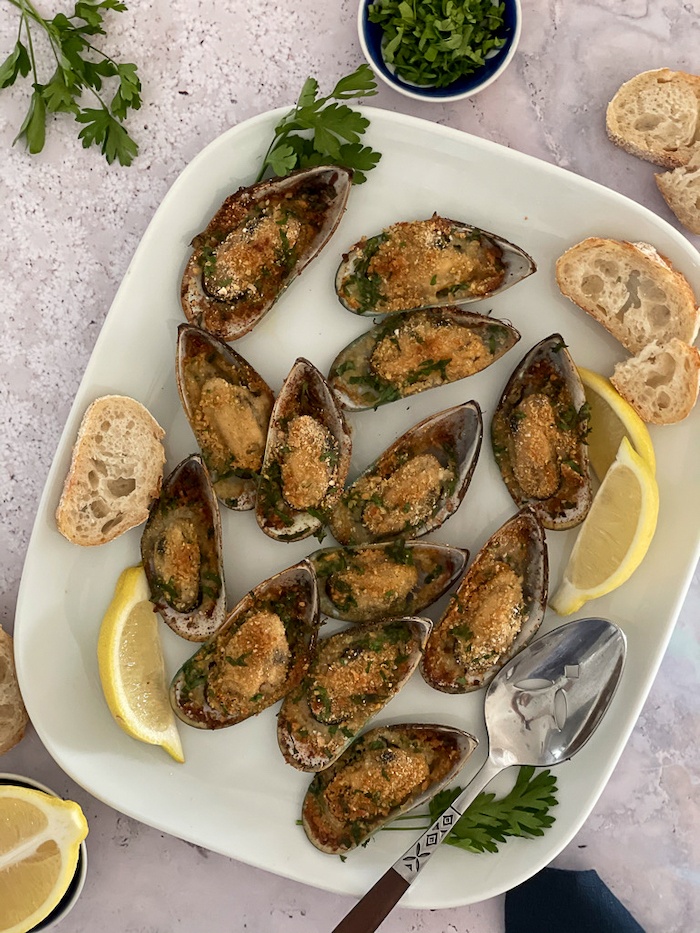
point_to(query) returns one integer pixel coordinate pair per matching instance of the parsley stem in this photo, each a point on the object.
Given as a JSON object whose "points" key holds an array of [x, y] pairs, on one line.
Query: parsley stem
{"points": [[30, 44]]}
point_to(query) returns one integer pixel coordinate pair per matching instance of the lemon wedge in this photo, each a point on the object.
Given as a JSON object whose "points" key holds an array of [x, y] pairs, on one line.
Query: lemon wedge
{"points": [[612, 418], [131, 665], [615, 535], [40, 838]]}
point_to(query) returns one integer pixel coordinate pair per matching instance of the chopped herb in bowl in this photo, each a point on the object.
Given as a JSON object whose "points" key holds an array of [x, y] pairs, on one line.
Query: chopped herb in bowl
{"points": [[439, 49]]}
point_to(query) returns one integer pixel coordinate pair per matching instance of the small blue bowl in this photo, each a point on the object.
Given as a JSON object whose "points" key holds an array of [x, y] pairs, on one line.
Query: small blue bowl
{"points": [[371, 41]]}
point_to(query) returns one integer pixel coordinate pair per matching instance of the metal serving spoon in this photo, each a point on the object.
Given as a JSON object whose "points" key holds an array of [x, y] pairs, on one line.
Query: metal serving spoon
{"points": [[541, 708]]}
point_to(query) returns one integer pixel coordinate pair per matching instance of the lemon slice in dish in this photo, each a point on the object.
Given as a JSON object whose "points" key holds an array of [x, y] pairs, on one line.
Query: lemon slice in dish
{"points": [[131, 665], [615, 535], [40, 838], [612, 418]]}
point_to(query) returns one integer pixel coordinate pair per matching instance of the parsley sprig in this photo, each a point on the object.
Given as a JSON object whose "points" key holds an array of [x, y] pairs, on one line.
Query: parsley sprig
{"points": [[489, 822], [321, 130], [79, 66], [435, 42]]}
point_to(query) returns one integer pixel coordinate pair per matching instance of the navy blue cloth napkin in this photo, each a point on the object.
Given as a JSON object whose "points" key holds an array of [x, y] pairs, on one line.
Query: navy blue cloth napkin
{"points": [[558, 901]]}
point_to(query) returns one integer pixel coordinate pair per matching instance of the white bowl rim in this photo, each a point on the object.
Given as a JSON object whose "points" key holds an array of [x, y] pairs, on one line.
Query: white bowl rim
{"points": [[439, 98], [66, 904]]}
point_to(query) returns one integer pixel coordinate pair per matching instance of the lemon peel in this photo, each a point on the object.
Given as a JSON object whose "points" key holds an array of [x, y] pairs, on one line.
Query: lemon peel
{"points": [[132, 670], [616, 534]]}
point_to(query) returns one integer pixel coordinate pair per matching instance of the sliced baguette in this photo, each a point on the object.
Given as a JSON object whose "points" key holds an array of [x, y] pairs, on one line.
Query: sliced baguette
{"points": [[631, 290], [13, 715], [661, 382], [681, 191], [656, 116], [115, 473]]}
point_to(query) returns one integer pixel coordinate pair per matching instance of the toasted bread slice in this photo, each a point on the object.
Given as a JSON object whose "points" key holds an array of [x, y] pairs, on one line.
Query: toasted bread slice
{"points": [[13, 715], [661, 382], [681, 191], [115, 473], [631, 290], [656, 116]]}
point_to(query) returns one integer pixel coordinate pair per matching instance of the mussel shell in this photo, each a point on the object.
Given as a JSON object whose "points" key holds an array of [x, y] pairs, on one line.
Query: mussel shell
{"points": [[440, 453], [498, 606], [376, 660], [375, 581], [207, 366], [292, 595], [366, 288], [183, 535], [313, 198], [444, 749], [426, 348], [319, 476], [538, 436]]}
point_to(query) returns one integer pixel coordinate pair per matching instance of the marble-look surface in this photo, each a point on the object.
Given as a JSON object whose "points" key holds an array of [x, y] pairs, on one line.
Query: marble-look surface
{"points": [[69, 227]]}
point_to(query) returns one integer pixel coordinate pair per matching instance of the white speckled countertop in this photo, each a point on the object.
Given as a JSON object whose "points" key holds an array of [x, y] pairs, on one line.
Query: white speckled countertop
{"points": [[70, 225]]}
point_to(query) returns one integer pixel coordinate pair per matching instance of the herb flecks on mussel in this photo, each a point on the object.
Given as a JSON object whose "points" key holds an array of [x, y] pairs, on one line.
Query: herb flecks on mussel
{"points": [[416, 484], [538, 434], [181, 551], [496, 610], [387, 771], [262, 651], [256, 244], [307, 457], [398, 578], [228, 405], [353, 676], [414, 351], [425, 264]]}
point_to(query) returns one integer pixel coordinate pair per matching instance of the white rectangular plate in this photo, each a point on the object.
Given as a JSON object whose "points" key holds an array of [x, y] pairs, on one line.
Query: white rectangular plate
{"points": [[235, 794]]}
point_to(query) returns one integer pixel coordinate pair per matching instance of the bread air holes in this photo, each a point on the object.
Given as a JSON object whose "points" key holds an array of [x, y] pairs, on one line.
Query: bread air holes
{"points": [[647, 122], [662, 374], [592, 286], [112, 523], [122, 486]]}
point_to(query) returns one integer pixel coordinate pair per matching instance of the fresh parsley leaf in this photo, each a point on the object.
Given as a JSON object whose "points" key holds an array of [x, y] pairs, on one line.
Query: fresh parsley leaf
{"points": [[435, 43], [103, 130], [320, 130], [488, 821], [17, 63], [80, 68]]}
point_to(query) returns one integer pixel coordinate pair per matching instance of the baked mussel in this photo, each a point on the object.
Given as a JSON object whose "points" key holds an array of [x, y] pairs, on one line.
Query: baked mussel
{"points": [[228, 405], [181, 551], [262, 651], [417, 350], [384, 773], [416, 483], [353, 675], [538, 435], [258, 241], [395, 578], [427, 264], [307, 457], [495, 611]]}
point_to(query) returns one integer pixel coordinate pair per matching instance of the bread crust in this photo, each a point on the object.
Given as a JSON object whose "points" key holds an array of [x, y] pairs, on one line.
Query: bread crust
{"points": [[13, 715], [681, 191], [115, 473], [631, 289], [656, 116]]}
